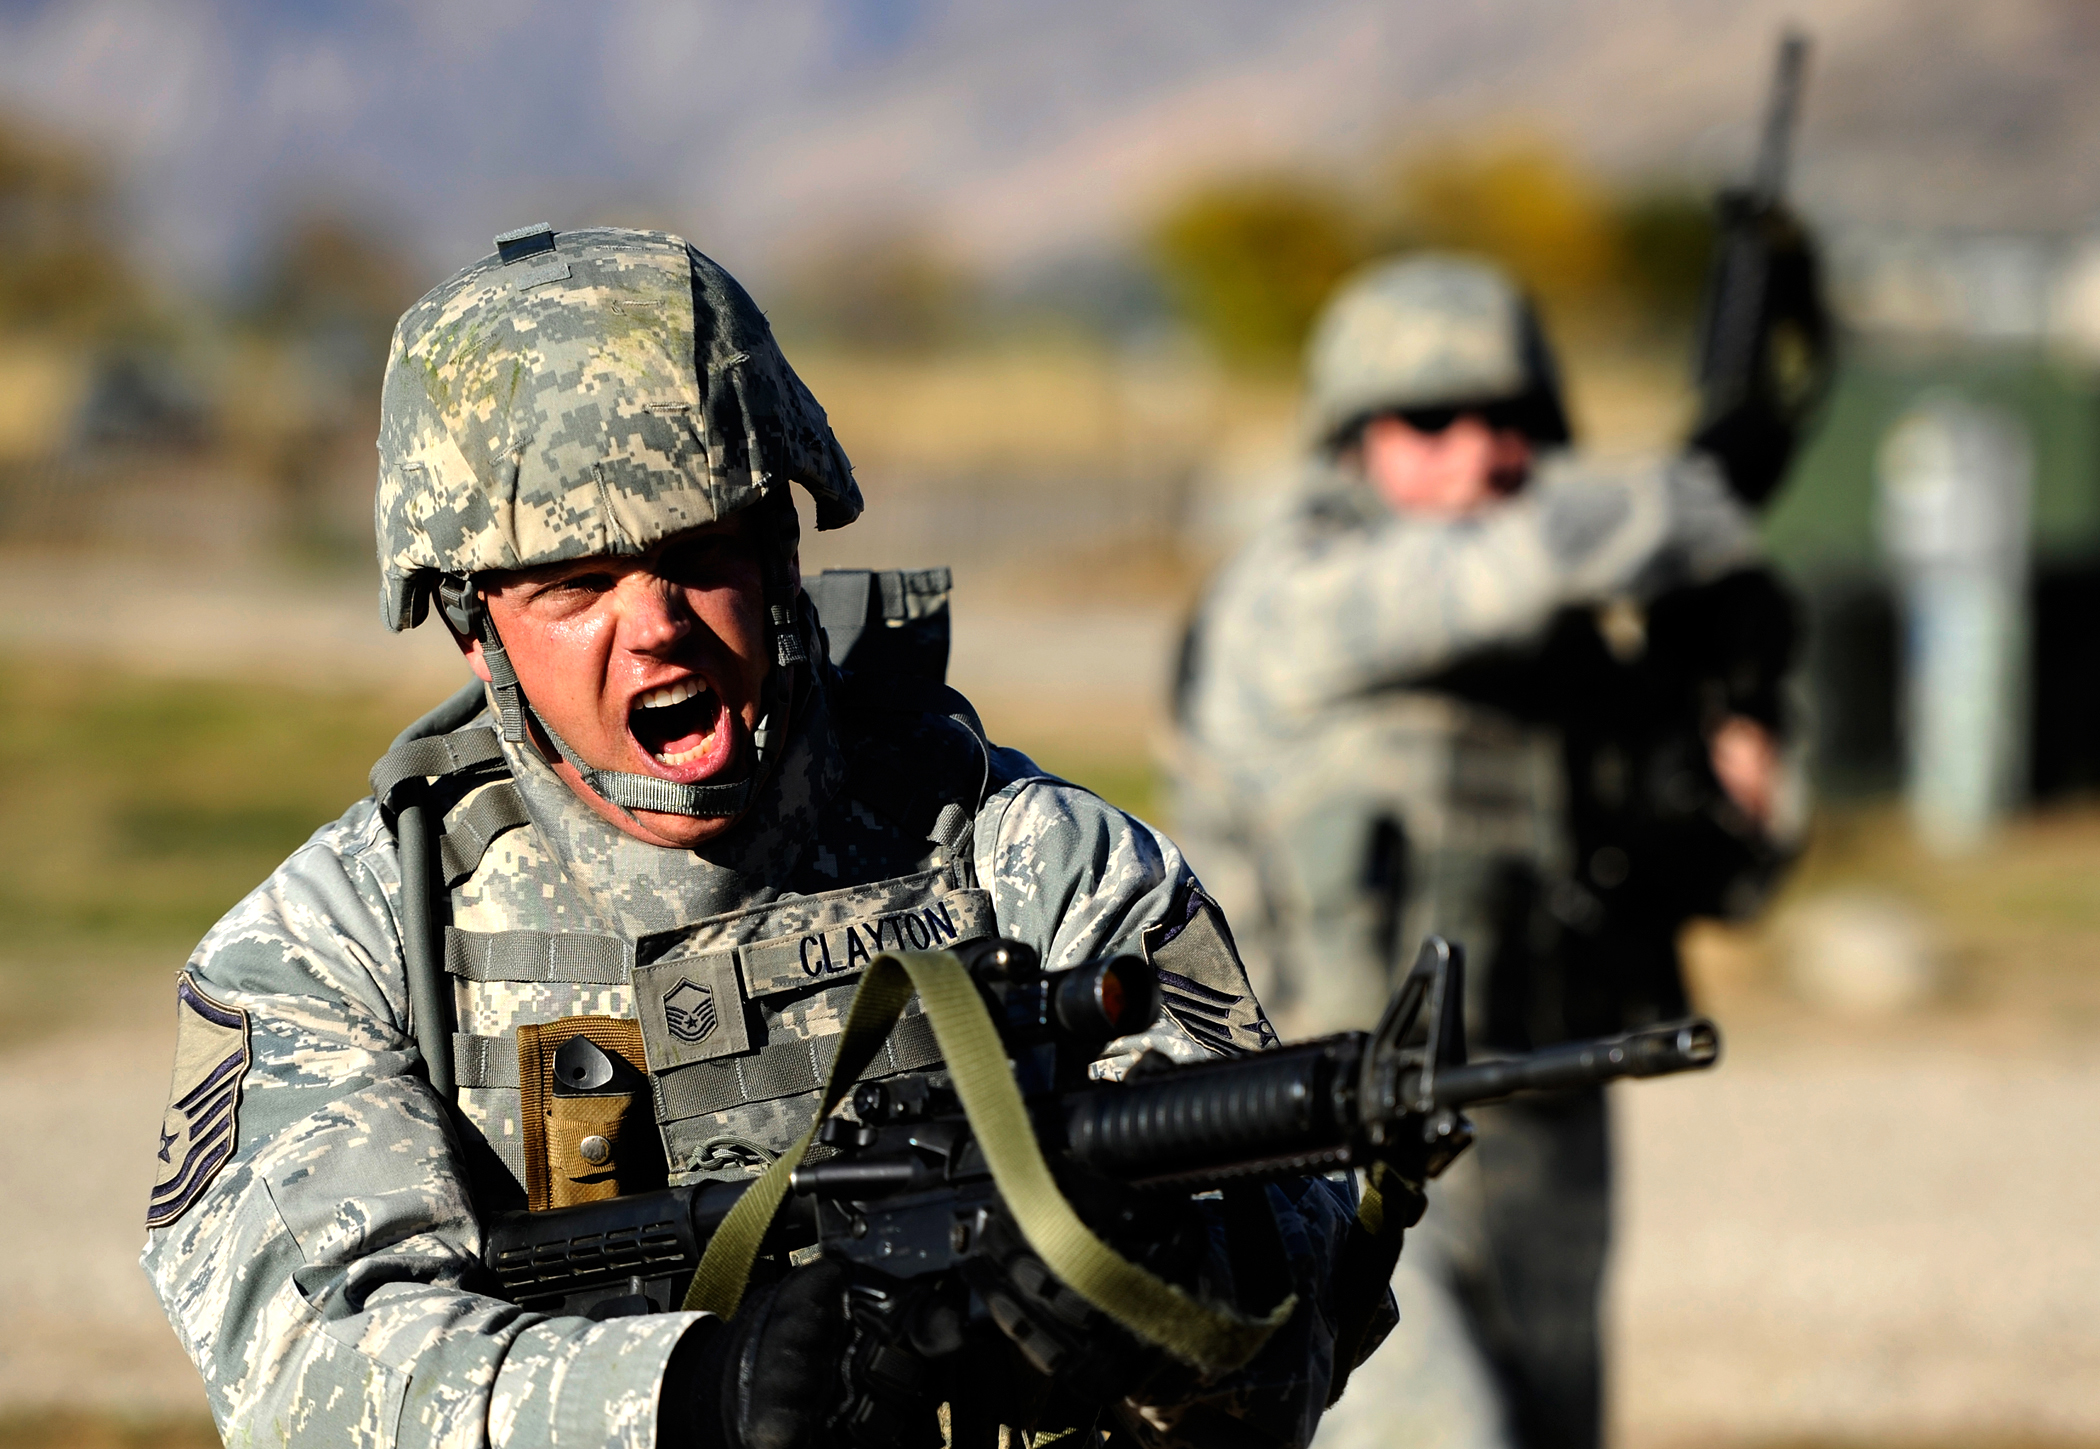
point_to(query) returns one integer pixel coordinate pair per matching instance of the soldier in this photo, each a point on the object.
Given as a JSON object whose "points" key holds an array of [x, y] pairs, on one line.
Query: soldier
{"points": [[667, 826], [1428, 700]]}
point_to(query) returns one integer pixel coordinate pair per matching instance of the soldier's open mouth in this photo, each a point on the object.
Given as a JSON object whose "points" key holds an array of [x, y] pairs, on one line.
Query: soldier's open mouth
{"points": [[683, 727]]}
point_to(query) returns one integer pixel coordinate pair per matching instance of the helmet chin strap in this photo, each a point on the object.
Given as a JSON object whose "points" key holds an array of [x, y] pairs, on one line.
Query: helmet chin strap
{"points": [[709, 800]]}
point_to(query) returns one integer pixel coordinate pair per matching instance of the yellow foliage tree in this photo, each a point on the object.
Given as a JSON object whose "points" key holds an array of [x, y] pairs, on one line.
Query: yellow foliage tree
{"points": [[62, 273], [1526, 207], [1249, 262]]}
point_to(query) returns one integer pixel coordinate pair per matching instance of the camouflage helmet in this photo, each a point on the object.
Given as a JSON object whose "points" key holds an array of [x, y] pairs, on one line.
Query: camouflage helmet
{"points": [[582, 394], [1424, 332], [587, 394]]}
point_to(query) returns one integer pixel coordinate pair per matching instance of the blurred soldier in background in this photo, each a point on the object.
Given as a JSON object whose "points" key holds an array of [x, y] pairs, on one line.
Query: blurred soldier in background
{"points": [[1478, 685]]}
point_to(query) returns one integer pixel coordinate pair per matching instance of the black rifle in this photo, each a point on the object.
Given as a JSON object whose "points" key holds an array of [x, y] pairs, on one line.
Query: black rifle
{"points": [[1764, 352], [1657, 839], [905, 1196]]}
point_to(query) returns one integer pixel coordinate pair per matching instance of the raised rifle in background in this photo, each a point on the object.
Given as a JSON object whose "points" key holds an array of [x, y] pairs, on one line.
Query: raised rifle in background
{"points": [[1764, 358], [1639, 696]]}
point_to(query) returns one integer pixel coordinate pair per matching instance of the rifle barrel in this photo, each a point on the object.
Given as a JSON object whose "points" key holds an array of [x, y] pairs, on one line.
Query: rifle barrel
{"points": [[1769, 184], [1274, 1105], [1678, 1047]]}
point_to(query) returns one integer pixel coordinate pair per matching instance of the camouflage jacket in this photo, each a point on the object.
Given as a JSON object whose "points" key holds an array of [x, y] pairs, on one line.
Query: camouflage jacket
{"points": [[1339, 804], [316, 1228]]}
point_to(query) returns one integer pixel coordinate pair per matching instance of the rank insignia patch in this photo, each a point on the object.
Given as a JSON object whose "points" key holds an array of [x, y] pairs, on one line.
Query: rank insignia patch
{"points": [[689, 1011], [197, 1131]]}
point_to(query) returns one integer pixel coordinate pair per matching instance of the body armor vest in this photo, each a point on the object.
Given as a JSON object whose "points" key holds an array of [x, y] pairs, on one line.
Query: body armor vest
{"points": [[1405, 813], [716, 1002]]}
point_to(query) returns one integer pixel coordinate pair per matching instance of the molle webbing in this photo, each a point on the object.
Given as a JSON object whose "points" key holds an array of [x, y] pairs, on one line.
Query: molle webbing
{"points": [[447, 754], [884, 621], [484, 1061], [785, 1069], [537, 956], [488, 813]]}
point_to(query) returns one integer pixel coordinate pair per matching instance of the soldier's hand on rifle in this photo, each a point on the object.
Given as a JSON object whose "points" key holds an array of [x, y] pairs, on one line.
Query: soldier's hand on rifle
{"points": [[793, 1370], [1081, 1359], [1745, 760]]}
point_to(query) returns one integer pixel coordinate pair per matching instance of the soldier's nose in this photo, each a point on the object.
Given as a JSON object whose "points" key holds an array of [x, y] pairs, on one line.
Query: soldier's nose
{"points": [[654, 617]]}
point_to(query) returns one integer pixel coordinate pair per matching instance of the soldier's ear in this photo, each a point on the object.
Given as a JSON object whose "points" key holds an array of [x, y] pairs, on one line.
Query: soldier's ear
{"points": [[470, 649]]}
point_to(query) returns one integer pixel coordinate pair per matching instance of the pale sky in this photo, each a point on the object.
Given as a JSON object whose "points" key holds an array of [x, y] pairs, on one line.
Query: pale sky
{"points": [[1020, 131]]}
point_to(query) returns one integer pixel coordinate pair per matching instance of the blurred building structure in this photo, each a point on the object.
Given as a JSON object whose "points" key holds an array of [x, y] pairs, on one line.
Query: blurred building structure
{"points": [[2009, 324], [1955, 484]]}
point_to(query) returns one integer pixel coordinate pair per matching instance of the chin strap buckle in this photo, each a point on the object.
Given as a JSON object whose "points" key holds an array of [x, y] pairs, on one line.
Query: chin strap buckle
{"points": [[463, 609]]}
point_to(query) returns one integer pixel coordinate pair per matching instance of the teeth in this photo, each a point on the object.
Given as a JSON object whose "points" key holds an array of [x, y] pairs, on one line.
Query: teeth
{"points": [[684, 756], [671, 694]]}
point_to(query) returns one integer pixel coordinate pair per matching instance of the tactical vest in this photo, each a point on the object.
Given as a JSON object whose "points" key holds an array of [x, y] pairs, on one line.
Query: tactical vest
{"points": [[1405, 813], [720, 1031]]}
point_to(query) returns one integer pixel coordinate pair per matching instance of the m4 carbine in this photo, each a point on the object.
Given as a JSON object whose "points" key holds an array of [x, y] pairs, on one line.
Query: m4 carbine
{"points": [[1764, 353], [904, 1193]]}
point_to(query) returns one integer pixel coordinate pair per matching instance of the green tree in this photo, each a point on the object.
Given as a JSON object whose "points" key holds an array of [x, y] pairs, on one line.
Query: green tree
{"points": [[1248, 263]]}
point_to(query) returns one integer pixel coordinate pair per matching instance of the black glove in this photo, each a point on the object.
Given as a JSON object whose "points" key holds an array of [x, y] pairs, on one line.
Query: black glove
{"points": [[1067, 1361], [801, 1366], [782, 1375]]}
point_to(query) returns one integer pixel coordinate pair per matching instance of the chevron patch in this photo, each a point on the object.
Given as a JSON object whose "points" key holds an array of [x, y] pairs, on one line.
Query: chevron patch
{"points": [[197, 1130]]}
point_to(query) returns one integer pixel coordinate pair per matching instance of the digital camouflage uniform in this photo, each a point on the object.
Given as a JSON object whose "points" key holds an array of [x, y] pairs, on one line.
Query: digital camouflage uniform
{"points": [[316, 1229], [1343, 800]]}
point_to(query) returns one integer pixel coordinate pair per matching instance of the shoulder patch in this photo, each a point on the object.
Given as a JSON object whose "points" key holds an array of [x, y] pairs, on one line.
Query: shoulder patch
{"points": [[1201, 982], [197, 1130]]}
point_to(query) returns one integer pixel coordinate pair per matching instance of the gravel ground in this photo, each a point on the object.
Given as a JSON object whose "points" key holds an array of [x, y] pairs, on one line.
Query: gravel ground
{"points": [[78, 1326], [1899, 1244]]}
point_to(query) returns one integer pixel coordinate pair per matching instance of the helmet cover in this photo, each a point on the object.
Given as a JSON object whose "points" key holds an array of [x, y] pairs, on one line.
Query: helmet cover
{"points": [[584, 394], [1427, 331]]}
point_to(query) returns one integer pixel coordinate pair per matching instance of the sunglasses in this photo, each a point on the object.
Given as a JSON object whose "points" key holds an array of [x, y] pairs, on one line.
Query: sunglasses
{"points": [[1517, 415]]}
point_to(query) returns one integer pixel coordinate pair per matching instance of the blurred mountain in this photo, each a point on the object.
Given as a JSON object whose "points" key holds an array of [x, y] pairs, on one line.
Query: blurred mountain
{"points": [[1018, 133]]}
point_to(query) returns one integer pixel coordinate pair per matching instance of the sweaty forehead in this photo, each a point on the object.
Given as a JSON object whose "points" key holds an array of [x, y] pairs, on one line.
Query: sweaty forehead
{"points": [[732, 534]]}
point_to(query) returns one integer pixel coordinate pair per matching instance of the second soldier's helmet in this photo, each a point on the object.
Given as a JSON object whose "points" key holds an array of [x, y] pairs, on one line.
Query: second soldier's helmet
{"points": [[584, 393], [1424, 333]]}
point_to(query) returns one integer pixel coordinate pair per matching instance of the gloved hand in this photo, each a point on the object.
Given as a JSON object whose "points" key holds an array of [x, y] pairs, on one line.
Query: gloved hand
{"points": [[783, 1376], [1075, 1359], [795, 1369], [772, 1378]]}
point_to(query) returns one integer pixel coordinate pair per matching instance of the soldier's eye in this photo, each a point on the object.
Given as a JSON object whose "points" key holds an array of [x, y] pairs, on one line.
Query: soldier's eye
{"points": [[574, 584]]}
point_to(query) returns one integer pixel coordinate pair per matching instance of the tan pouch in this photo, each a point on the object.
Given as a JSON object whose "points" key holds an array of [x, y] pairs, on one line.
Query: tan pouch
{"points": [[563, 1164]]}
